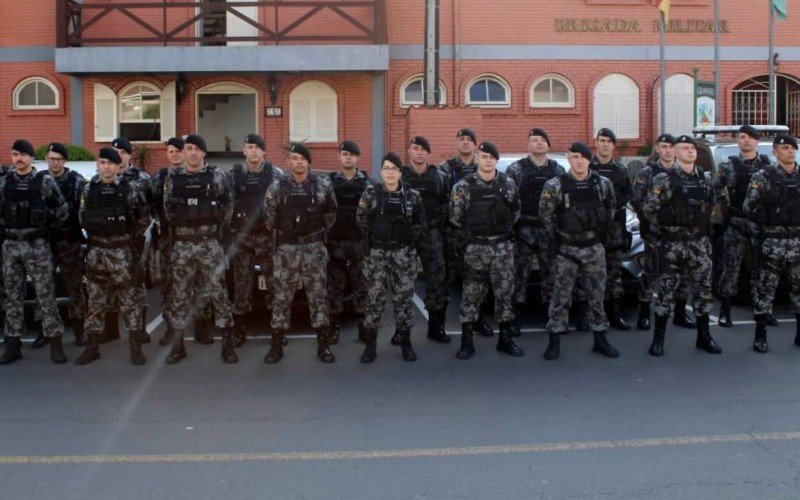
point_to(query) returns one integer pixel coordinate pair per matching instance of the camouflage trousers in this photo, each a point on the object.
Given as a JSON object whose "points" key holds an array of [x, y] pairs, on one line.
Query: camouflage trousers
{"points": [[137, 279], [571, 264], [778, 255], [488, 264], [258, 250], [614, 289], [526, 256], [35, 259], [650, 273], [436, 293], [168, 291], [345, 273], [390, 270], [455, 243], [302, 264], [197, 271], [108, 271], [737, 236], [68, 258], [692, 261]]}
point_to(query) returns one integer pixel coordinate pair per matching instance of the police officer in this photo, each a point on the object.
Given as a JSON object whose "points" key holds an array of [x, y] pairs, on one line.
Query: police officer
{"points": [[664, 162], [32, 205], [301, 207], [732, 179], [679, 205], [773, 202], [198, 203], [113, 211], [530, 174], [253, 243], [434, 188], [486, 205], [346, 239], [577, 208], [393, 217]]}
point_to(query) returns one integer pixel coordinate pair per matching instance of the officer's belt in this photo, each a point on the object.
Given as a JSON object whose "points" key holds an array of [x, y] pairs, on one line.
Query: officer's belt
{"points": [[35, 235], [779, 234], [302, 239], [96, 242], [389, 245], [488, 240], [193, 237], [682, 235]]}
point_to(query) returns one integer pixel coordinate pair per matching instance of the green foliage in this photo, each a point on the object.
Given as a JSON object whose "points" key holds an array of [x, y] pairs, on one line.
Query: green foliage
{"points": [[76, 153]]}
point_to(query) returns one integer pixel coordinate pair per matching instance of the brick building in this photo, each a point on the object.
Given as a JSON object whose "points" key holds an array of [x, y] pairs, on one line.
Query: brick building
{"points": [[84, 72]]}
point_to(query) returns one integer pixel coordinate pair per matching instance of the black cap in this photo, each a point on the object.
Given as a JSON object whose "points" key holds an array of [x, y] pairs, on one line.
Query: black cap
{"points": [[393, 158], [57, 147], [421, 141], [785, 139], [751, 131], [198, 141], [23, 146], [111, 155], [685, 139], [176, 142], [607, 132], [257, 140], [669, 138], [350, 147], [467, 132], [300, 149], [123, 143], [490, 148], [581, 148], [540, 133]]}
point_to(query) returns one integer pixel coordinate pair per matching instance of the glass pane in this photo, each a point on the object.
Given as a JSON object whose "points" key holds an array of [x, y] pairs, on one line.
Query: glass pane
{"points": [[46, 95], [477, 93], [496, 91], [151, 106], [27, 95], [560, 92], [413, 92], [131, 109], [541, 92]]}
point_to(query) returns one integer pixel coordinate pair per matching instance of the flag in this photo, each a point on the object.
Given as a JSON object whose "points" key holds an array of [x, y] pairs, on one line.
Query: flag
{"points": [[779, 6], [664, 8]]}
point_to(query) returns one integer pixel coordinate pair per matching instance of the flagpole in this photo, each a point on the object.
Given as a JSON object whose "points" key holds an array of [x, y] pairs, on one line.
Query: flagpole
{"points": [[663, 74], [773, 105], [717, 95]]}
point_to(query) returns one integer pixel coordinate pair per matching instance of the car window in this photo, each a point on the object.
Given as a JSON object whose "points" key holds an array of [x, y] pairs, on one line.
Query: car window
{"points": [[721, 153]]}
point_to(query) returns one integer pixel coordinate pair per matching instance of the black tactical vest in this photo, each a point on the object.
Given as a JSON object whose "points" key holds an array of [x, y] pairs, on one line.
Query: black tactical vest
{"points": [[459, 170], [614, 172], [691, 204], [194, 200], [348, 193], [431, 189], [782, 204], [299, 212], [107, 213], [391, 222], [250, 191], [742, 176], [533, 180], [24, 206], [66, 184], [581, 209], [489, 214]]}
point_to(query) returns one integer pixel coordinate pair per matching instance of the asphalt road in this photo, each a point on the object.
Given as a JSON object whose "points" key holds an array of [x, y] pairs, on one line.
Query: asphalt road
{"points": [[688, 425]]}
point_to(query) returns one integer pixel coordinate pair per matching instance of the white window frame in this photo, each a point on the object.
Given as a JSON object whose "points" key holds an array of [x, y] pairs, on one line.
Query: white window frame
{"points": [[489, 104], [33, 80], [551, 76], [128, 87], [166, 104], [419, 78], [314, 136]]}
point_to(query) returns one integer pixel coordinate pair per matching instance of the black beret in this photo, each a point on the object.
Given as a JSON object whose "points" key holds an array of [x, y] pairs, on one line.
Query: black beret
{"points": [[751, 131], [110, 154], [23, 146], [257, 140], [123, 143], [607, 132], [393, 158], [685, 139], [421, 141], [467, 132], [541, 133], [176, 142], [666, 138], [57, 147], [350, 147], [785, 139], [300, 149], [488, 147], [581, 148], [198, 141]]}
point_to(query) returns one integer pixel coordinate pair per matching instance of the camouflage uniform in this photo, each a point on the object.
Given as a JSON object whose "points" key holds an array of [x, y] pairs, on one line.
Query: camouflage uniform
{"points": [[455, 170], [165, 242]]}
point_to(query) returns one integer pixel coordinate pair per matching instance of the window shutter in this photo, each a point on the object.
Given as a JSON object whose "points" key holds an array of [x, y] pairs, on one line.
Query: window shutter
{"points": [[616, 105], [168, 112], [236, 26], [325, 119], [105, 113], [301, 120], [313, 114]]}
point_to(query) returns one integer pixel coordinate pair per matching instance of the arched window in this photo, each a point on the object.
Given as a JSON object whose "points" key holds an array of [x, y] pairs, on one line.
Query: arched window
{"points": [[680, 104], [36, 93], [552, 91], [488, 91], [411, 92], [616, 105], [313, 113], [140, 112]]}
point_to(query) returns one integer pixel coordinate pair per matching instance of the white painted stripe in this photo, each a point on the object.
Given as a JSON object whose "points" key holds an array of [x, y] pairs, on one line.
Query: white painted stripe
{"points": [[151, 327], [420, 305]]}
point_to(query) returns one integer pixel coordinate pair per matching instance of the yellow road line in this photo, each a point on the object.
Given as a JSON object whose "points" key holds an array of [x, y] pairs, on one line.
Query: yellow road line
{"points": [[410, 453]]}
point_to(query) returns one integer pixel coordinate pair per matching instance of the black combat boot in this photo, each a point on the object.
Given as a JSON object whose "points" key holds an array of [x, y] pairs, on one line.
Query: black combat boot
{"points": [[227, 354], [169, 335], [370, 346], [615, 316], [467, 347], [405, 345], [144, 337], [772, 320], [57, 354], [239, 330], [178, 351], [435, 327], [553, 350], [482, 328], [324, 353], [275, 353], [505, 343], [581, 320], [704, 340], [77, 330], [682, 317], [725, 312], [110, 328], [363, 333], [657, 346], [516, 325], [643, 321], [335, 328], [396, 338], [797, 330], [202, 331], [40, 340], [12, 351], [137, 356], [601, 346], [91, 353], [760, 341]]}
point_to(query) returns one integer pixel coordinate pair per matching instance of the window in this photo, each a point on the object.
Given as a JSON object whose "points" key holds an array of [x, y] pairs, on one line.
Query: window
{"points": [[313, 113], [35, 93], [140, 112], [552, 91], [616, 105], [489, 91], [411, 92], [680, 105]]}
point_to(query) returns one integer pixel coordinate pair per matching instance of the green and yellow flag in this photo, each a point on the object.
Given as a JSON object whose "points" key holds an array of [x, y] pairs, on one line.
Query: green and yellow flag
{"points": [[779, 6], [664, 8]]}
